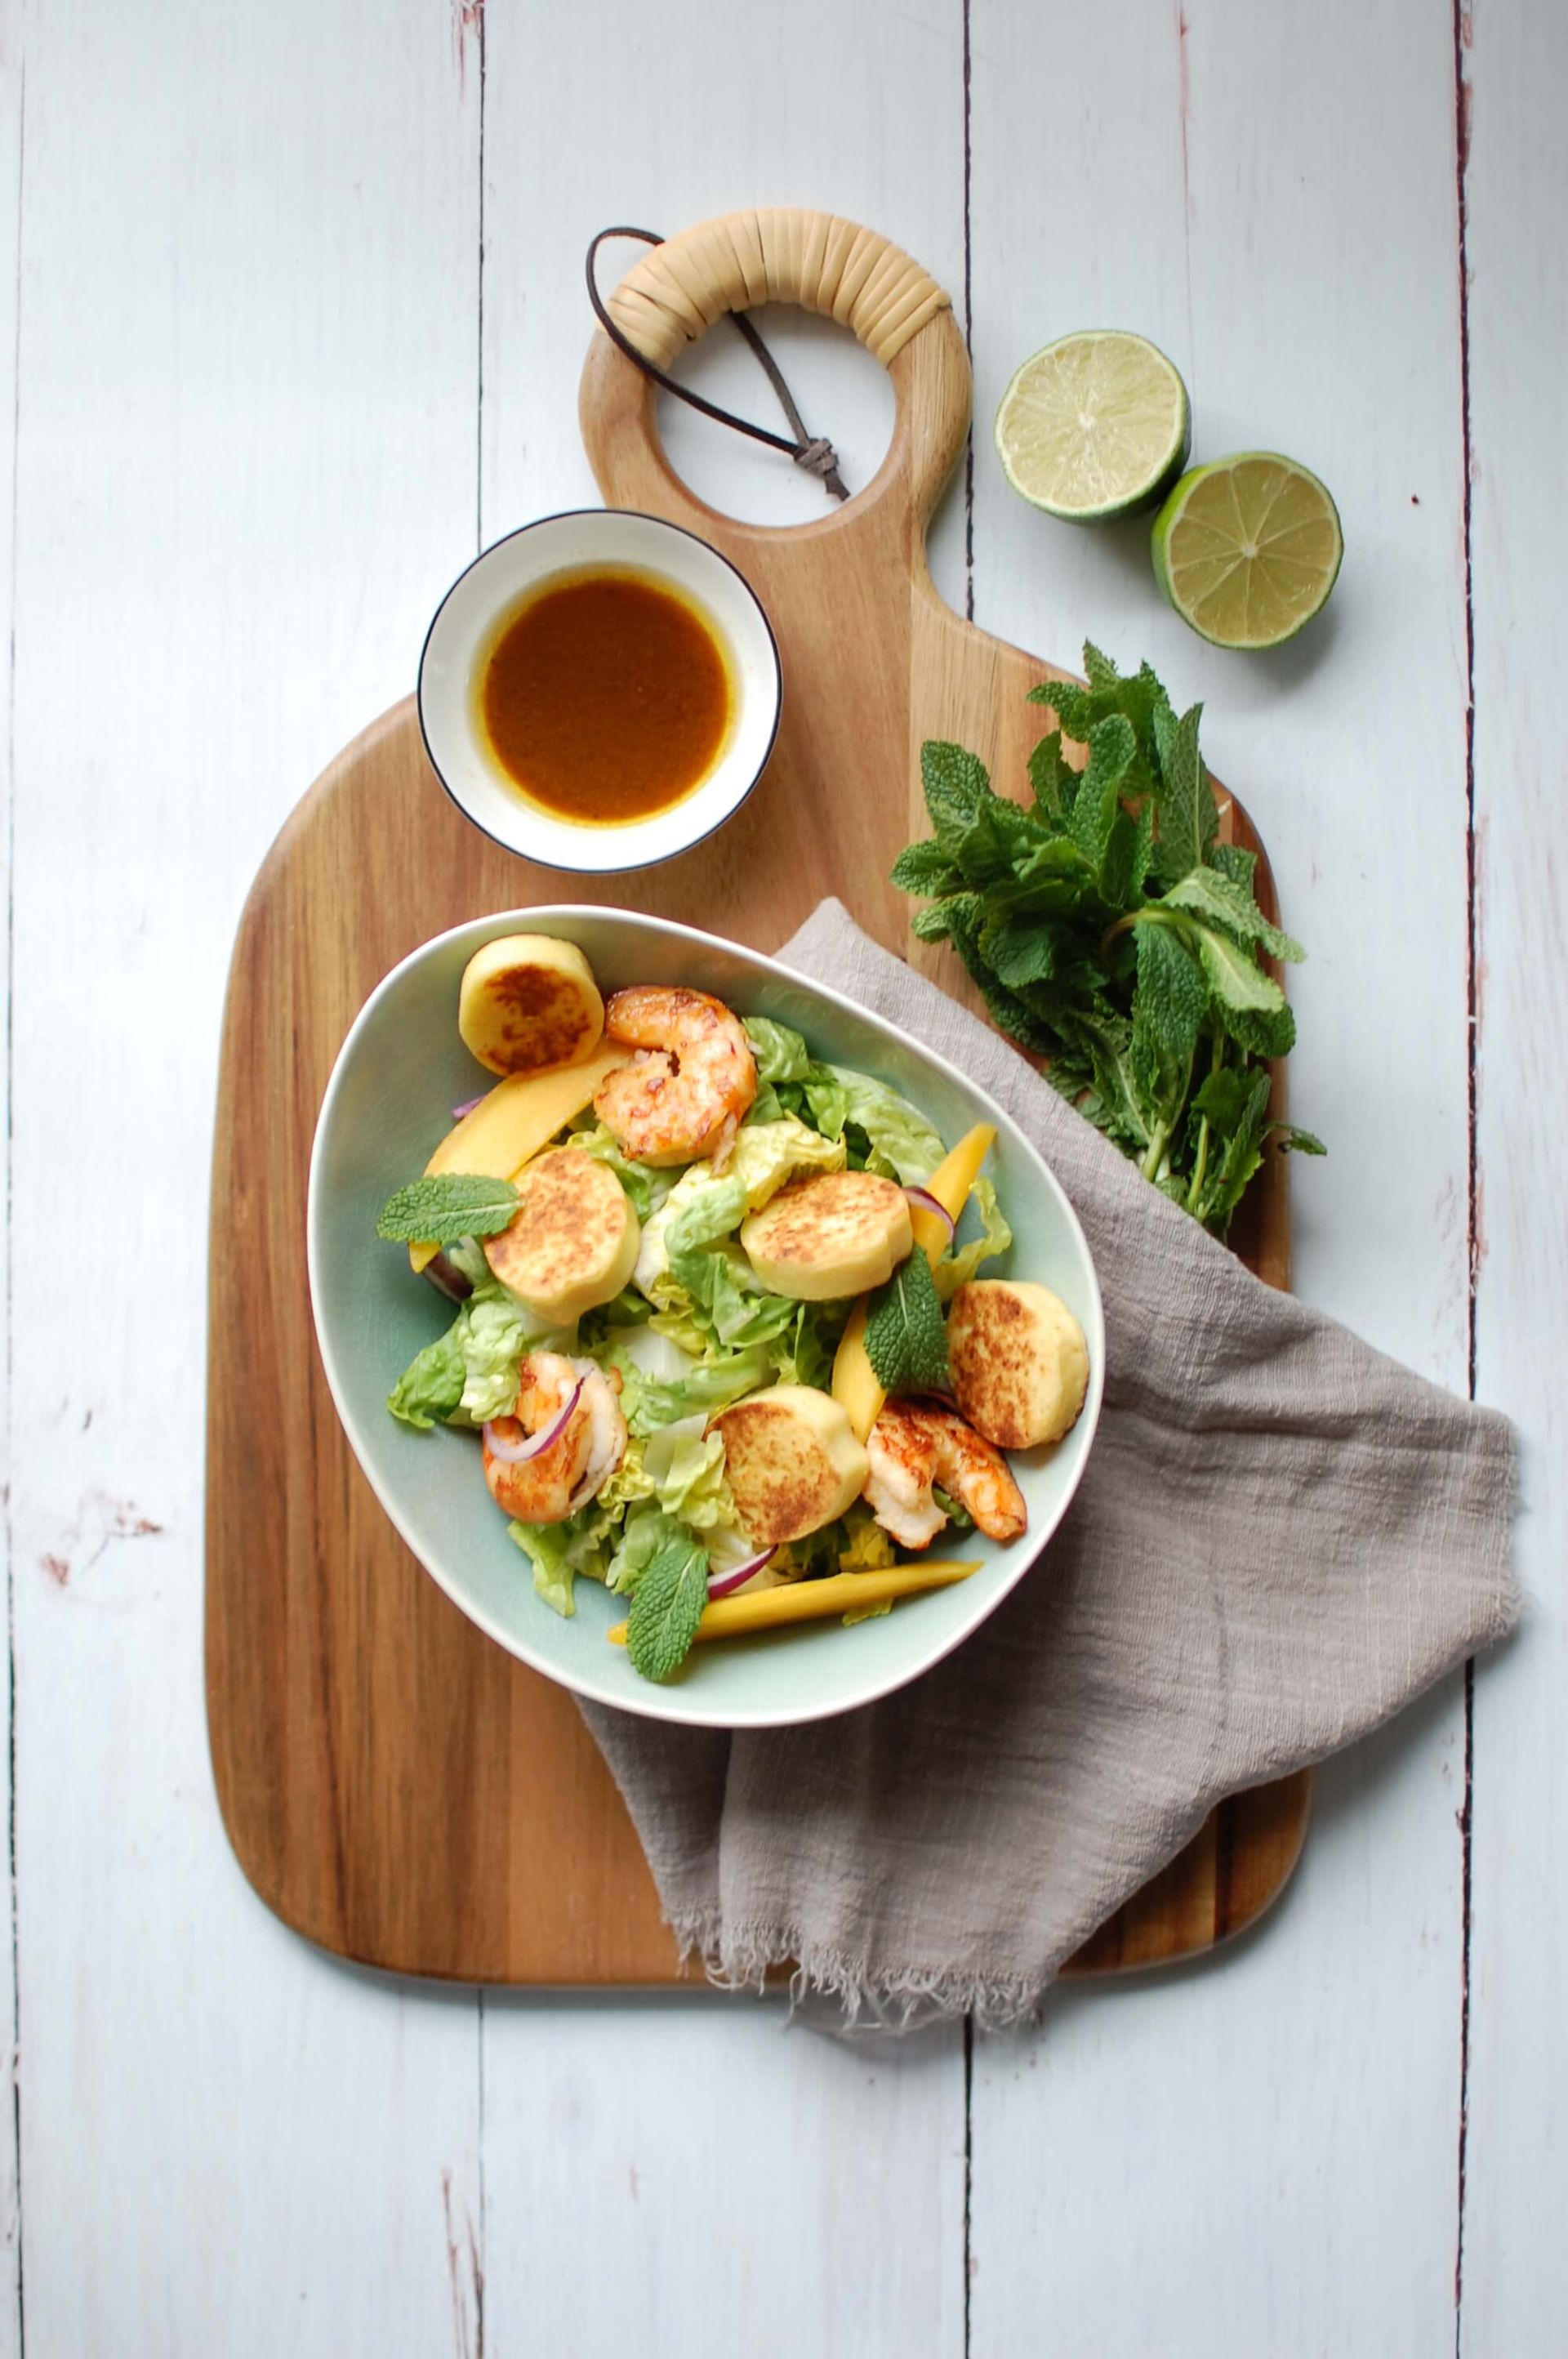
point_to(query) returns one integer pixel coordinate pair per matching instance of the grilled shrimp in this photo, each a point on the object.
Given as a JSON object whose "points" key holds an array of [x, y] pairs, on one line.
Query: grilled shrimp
{"points": [[572, 1469], [913, 1447], [691, 1083]]}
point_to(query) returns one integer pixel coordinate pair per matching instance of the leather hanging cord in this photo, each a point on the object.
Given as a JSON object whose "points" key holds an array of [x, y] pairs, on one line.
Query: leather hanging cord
{"points": [[812, 451]]}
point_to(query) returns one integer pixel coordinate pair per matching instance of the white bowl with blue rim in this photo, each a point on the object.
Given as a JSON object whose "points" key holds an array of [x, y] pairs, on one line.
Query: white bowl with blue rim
{"points": [[495, 585]]}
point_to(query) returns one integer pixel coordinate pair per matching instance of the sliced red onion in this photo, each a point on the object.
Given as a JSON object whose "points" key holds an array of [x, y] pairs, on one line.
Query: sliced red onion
{"points": [[515, 1453], [468, 1105], [722, 1584], [925, 1202], [448, 1280]]}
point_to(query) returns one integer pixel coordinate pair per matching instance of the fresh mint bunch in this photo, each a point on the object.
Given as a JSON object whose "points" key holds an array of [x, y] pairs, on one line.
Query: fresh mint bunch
{"points": [[1114, 935]]}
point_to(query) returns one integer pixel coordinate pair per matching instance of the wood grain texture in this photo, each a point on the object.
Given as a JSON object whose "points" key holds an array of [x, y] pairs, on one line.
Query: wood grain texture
{"points": [[378, 1763], [1515, 68]]}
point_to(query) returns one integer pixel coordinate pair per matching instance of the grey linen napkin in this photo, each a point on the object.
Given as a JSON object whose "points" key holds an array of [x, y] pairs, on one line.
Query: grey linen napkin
{"points": [[1281, 1539]]}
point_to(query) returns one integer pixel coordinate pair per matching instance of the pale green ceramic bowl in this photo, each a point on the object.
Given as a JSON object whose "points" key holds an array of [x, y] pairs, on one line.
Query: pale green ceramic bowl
{"points": [[399, 1073]]}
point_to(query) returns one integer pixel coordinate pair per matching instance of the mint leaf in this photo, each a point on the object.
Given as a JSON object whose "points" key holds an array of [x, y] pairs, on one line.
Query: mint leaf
{"points": [[1021, 950], [1233, 860], [1223, 1099], [1261, 1031], [1053, 780], [1234, 975], [444, 1209], [1138, 700], [1249, 1004], [1172, 997], [1243, 1154], [1189, 818], [1113, 747], [1302, 1142], [1107, 1041], [1126, 853], [667, 1608], [956, 785], [1000, 835], [923, 868], [1168, 1011], [938, 923], [906, 1342], [1222, 902]]}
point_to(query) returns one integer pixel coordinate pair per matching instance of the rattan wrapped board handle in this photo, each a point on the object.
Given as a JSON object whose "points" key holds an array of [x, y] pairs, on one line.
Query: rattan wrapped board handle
{"points": [[778, 253]]}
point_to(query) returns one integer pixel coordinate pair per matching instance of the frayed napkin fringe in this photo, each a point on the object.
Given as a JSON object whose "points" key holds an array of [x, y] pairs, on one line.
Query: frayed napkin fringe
{"points": [[743, 1957]]}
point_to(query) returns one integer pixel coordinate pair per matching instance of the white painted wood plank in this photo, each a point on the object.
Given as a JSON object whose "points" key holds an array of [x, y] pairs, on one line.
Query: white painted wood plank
{"points": [[689, 2175], [758, 2190], [11, 138], [858, 113], [247, 467], [1514, 2289], [1270, 194]]}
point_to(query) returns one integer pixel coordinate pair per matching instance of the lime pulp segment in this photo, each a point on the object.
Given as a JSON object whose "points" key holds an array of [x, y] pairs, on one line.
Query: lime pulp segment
{"points": [[1248, 548], [1094, 426]]}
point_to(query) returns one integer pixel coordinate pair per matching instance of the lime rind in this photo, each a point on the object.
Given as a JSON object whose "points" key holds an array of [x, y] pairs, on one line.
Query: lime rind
{"points": [[1219, 516], [1095, 426]]}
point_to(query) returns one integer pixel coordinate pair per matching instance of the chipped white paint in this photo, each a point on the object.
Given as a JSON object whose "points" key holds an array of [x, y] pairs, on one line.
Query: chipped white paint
{"points": [[251, 451], [1279, 2137], [245, 452], [11, 145], [1516, 2289]]}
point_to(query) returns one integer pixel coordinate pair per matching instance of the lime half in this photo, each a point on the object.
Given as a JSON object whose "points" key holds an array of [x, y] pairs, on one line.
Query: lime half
{"points": [[1248, 548], [1097, 425]]}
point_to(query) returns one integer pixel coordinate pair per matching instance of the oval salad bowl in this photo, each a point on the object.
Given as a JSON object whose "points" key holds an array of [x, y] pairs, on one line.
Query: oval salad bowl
{"points": [[400, 1072]]}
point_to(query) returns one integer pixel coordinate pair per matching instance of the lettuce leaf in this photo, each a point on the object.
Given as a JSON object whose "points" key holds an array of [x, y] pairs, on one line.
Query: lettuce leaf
{"points": [[856, 1543], [802, 1351], [631, 1481], [653, 1251], [880, 1130], [766, 1156], [430, 1389], [705, 1296], [902, 1144], [780, 1052], [646, 1186], [643, 1534], [495, 1337], [558, 1552], [686, 1464], [995, 1236], [707, 1385], [863, 1545], [496, 1329]]}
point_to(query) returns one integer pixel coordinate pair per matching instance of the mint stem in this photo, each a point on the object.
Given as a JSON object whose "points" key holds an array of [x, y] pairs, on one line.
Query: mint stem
{"points": [[1195, 1193]]}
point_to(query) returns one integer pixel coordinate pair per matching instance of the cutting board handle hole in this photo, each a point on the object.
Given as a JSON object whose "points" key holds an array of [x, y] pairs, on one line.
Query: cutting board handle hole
{"points": [[841, 391]]}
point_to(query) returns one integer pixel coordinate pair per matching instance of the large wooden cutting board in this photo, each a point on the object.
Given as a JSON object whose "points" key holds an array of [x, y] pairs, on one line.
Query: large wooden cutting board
{"points": [[396, 1787]]}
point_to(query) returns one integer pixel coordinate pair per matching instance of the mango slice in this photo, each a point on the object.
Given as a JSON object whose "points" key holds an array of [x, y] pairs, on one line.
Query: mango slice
{"points": [[513, 1121]]}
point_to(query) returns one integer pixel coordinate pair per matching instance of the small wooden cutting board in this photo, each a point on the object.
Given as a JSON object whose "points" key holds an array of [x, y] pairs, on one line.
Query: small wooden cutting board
{"points": [[395, 1787]]}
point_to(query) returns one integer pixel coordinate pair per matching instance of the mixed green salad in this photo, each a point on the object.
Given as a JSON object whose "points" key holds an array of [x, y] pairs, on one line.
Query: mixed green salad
{"points": [[690, 1333]]}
